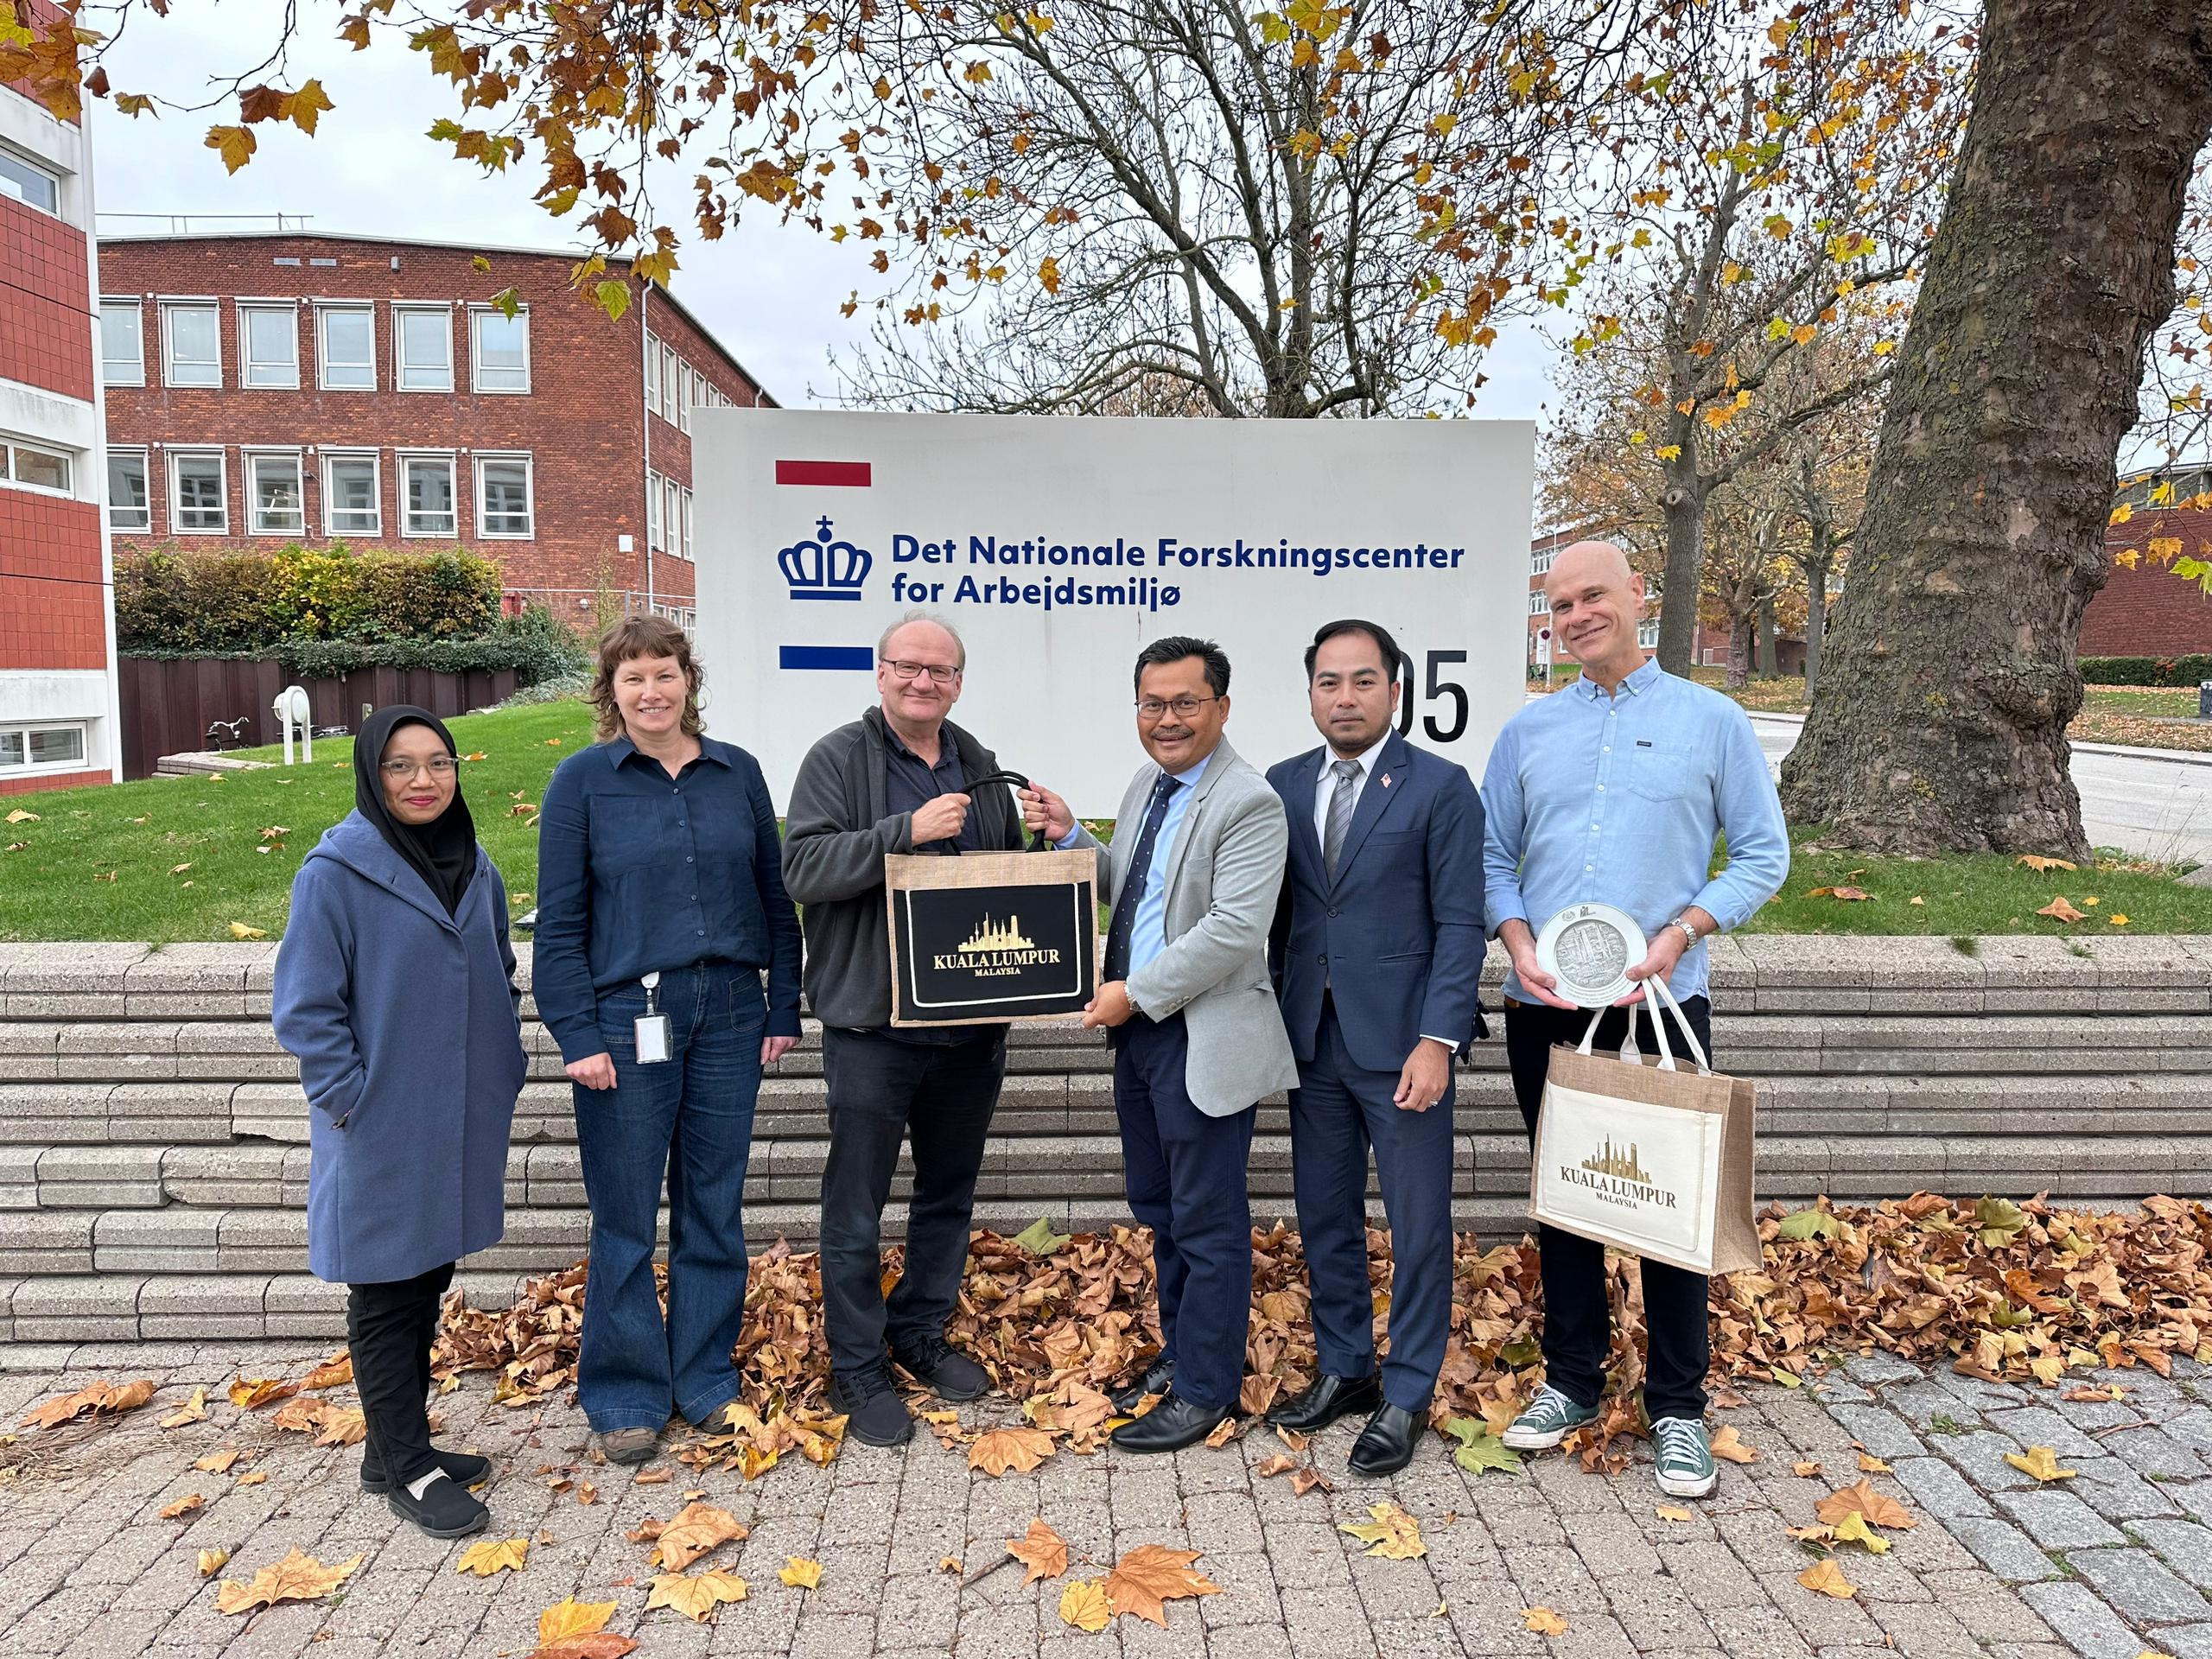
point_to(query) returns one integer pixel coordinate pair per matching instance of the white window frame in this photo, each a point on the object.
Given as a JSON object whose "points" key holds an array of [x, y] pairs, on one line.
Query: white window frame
{"points": [[13, 190], [1539, 563], [652, 370], [146, 477], [10, 471], [323, 312], [331, 510], [27, 766], [668, 364], [409, 458], [684, 394], [282, 375], [684, 538], [486, 459], [1538, 605], [1647, 633], [476, 316], [214, 311], [251, 461], [653, 531], [183, 453], [400, 313], [137, 311]]}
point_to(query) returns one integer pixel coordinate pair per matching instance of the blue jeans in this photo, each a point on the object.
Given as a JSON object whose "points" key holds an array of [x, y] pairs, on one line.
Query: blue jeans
{"points": [[689, 1117]]}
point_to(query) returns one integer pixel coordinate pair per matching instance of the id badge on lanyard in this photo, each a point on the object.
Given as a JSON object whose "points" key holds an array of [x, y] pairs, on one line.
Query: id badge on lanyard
{"points": [[652, 1024]]}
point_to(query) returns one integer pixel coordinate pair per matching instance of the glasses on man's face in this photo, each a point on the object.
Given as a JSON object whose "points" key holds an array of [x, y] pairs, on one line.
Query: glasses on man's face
{"points": [[1182, 708], [940, 673], [438, 766]]}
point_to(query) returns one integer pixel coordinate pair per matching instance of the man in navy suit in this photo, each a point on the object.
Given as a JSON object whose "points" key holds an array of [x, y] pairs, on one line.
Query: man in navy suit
{"points": [[1379, 952]]}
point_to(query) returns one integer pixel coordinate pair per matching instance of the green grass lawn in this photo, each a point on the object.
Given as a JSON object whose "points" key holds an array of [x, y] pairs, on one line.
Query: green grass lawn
{"points": [[171, 859]]}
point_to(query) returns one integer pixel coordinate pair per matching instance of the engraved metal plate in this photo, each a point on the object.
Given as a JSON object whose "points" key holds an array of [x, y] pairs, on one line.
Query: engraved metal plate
{"points": [[1589, 949]]}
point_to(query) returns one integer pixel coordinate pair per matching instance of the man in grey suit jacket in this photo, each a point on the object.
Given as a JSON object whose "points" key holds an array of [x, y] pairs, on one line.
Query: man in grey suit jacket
{"points": [[1192, 877]]}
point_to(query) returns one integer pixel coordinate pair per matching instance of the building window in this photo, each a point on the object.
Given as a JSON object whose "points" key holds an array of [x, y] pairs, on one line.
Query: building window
{"points": [[1538, 605], [192, 350], [44, 470], [499, 357], [426, 482], [128, 507], [272, 484], [503, 506], [685, 543], [26, 182], [652, 372], [425, 347], [346, 347], [122, 344], [1646, 635], [36, 748], [268, 343], [667, 403], [199, 494], [684, 396], [652, 511], [671, 512], [1542, 562], [352, 499]]}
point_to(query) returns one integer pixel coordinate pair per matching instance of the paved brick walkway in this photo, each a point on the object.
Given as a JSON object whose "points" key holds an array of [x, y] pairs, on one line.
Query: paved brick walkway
{"points": [[2115, 1562]]}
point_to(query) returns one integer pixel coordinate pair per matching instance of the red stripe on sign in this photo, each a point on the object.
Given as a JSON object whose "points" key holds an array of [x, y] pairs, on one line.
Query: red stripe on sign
{"points": [[852, 472]]}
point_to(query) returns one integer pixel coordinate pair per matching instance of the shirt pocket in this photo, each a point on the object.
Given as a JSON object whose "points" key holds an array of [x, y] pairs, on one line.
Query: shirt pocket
{"points": [[630, 832], [1665, 772]]}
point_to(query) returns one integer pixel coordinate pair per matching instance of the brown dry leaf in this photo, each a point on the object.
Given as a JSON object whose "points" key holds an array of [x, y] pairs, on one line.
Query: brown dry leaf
{"points": [[1673, 1512], [1861, 1499], [577, 1629], [998, 1450], [659, 1477], [298, 1577], [2059, 909], [1870, 1465], [184, 1505], [99, 1397], [193, 1410], [1280, 1464], [251, 1393], [698, 1594], [219, 1462], [1043, 1551], [801, 1573], [1151, 1575], [950, 1564], [1085, 1606], [1223, 1432], [1293, 1439], [587, 1493], [1827, 1578], [1389, 1532], [345, 1425], [1304, 1480], [2041, 1462], [1808, 1469], [1543, 1621], [2039, 864], [213, 1561], [492, 1555], [254, 1479], [697, 1530], [297, 1415], [1726, 1443], [333, 1373]]}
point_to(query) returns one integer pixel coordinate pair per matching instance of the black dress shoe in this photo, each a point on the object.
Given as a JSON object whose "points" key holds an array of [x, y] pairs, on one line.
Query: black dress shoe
{"points": [[1387, 1443], [1159, 1376], [1327, 1398], [1170, 1426]]}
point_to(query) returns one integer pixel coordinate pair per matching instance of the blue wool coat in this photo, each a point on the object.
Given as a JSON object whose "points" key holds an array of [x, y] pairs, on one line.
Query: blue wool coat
{"points": [[407, 1025]]}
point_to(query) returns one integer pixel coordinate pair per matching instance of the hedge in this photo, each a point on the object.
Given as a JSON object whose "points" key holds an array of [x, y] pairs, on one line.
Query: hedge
{"points": [[223, 602], [2188, 671], [537, 645]]}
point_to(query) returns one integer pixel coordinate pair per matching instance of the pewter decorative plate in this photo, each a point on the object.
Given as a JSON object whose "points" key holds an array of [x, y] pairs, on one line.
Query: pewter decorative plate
{"points": [[1589, 949]]}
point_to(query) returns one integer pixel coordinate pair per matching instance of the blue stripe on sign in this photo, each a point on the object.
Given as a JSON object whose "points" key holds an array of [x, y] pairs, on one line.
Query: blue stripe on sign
{"points": [[852, 657]]}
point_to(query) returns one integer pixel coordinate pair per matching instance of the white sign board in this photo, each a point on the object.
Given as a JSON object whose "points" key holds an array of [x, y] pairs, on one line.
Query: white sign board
{"points": [[1061, 547]]}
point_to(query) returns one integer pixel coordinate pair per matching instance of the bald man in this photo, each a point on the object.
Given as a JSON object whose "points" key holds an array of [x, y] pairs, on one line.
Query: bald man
{"points": [[1611, 791]]}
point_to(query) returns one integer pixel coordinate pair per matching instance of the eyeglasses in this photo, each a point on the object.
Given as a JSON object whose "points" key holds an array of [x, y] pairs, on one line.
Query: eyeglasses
{"points": [[1153, 708], [940, 673], [438, 766]]}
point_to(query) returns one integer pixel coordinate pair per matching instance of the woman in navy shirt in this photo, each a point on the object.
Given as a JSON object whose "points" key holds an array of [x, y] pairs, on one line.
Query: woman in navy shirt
{"points": [[660, 905]]}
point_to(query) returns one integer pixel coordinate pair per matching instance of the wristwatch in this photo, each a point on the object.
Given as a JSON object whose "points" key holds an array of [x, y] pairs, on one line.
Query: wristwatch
{"points": [[1689, 931]]}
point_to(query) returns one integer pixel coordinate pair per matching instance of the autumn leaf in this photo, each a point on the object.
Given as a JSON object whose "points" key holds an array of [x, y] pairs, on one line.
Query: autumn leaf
{"points": [[1870, 1465], [240, 930], [1282, 1464], [2037, 862], [1862, 1499], [1854, 1529], [1389, 1532], [492, 1555], [1043, 1551], [1726, 1443], [184, 1505], [1479, 1449], [235, 145], [1811, 1222], [2117, 919], [1848, 895], [698, 1594], [1304, 1480], [254, 1479], [100, 1398], [218, 1463], [800, 1573], [251, 1393], [1048, 273], [697, 1529], [1151, 1575], [577, 1629], [298, 1577], [1828, 1577], [1807, 1470], [1038, 1238], [1543, 1621], [2059, 909], [996, 1451], [2041, 1462], [342, 1427], [1083, 1605], [20, 816], [333, 1373], [213, 1561], [1997, 1220]]}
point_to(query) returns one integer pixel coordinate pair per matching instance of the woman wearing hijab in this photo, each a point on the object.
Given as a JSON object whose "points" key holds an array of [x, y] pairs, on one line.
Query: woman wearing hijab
{"points": [[661, 910], [395, 989]]}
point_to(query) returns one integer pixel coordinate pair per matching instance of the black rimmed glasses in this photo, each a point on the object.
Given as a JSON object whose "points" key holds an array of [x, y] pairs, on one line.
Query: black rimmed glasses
{"points": [[1182, 708], [940, 673]]}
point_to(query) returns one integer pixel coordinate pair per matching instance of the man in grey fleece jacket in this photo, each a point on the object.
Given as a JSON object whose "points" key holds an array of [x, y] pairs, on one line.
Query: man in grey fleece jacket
{"points": [[895, 780]]}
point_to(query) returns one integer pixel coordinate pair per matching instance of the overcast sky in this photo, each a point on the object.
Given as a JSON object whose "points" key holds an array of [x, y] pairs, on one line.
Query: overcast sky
{"points": [[770, 294]]}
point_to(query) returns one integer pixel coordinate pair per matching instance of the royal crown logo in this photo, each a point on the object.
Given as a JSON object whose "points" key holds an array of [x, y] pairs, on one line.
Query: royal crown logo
{"points": [[823, 568]]}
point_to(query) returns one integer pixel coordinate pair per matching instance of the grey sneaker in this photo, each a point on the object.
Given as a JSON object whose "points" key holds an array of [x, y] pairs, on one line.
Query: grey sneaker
{"points": [[629, 1444], [1551, 1417], [1686, 1468]]}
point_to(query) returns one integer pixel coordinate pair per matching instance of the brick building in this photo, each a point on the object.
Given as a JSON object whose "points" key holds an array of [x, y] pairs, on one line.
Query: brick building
{"points": [[2147, 611], [57, 618], [290, 385]]}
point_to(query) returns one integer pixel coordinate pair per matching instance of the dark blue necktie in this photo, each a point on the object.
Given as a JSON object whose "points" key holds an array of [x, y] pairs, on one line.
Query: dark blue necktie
{"points": [[1125, 903]]}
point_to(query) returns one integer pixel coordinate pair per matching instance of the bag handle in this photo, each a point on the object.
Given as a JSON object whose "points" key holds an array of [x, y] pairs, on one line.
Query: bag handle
{"points": [[1628, 1048], [1657, 984]]}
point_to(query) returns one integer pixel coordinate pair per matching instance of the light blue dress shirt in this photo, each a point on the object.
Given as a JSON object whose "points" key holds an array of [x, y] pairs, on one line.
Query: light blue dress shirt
{"points": [[1149, 930], [1616, 800]]}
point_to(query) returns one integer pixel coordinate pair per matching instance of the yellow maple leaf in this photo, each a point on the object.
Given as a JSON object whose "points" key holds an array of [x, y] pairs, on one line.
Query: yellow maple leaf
{"points": [[492, 1555], [235, 145], [1827, 1578], [1543, 1621], [1042, 1550], [697, 1529], [1389, 1532], [1083, 1605], [298, 1577], [193, 1410], [1854, 1529], [580, 1628], [696, 1595], [2041, 1462], [800, 1573], [997, 1450]]}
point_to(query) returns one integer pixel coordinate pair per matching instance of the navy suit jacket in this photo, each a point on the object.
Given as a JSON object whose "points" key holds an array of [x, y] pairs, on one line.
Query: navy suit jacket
{"points": [[1398, 936]]}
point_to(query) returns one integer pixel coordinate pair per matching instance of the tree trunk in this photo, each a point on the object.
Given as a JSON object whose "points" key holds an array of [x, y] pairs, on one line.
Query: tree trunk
{"points": [[1816, 620], [1767, 667], [1941, 719], [1684, 506]]}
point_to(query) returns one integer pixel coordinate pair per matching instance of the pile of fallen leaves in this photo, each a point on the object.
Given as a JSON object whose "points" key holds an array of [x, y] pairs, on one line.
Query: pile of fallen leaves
{"points": [[2013, 1291]]}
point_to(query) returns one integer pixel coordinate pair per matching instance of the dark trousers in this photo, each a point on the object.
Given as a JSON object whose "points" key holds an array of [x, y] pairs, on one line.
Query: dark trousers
{"points": [[388, 1328], [940, 1097], [1577, 1317], [1185, 1173], [1339, 1110]]}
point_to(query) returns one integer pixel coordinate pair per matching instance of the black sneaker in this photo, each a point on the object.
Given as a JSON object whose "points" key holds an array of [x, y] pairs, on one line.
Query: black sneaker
{"points": [[875, 1414], [446, 1509], [944, 1370], [464, 1466]]}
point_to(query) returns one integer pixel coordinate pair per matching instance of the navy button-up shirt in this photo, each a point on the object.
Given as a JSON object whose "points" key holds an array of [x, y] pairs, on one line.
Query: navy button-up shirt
{"points": [[638, 872]]}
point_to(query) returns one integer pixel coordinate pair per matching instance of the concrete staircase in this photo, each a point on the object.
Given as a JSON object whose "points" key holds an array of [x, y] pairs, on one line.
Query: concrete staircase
{"points": [[154, 1157]]}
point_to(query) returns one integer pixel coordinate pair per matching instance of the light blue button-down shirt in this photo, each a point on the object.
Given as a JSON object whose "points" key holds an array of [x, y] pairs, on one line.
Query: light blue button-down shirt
{"points": [[1149, 930], [1616, 800]]}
